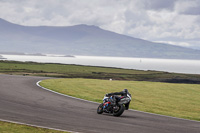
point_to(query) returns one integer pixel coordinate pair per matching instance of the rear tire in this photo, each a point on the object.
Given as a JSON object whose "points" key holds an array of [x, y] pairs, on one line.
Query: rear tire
{"points": [[119, 111], [100, 109]]}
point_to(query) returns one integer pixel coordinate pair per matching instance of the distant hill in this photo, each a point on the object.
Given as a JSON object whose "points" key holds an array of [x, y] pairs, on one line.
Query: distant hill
{"points": [[84, 40]]}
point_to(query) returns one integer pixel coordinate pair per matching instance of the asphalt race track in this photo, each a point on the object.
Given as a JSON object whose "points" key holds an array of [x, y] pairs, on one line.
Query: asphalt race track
{"points": [[21, 100]]}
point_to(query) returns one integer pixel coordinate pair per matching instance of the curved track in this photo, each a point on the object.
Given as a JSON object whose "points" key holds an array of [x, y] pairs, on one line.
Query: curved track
{"points": [[21, 100]]}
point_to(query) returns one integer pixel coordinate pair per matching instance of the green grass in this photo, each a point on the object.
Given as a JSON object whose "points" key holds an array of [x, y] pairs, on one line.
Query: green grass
{"points": [[77, 71], [177, 100], [6, 127]]}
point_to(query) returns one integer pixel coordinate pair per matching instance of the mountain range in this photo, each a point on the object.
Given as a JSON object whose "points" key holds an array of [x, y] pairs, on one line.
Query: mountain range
{"points": [[84, 40]]}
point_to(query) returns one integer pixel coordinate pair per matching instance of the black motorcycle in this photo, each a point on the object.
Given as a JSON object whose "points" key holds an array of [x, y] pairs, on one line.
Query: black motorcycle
{"points": [[114, 105]]}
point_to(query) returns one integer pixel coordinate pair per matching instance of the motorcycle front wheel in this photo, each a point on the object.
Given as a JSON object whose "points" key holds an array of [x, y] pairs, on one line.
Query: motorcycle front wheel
{"points": [[118, 110], [100, 109]]}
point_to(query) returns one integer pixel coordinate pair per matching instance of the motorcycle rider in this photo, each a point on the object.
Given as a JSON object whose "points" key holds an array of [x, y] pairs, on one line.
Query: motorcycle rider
{"points": [[122, 93]]}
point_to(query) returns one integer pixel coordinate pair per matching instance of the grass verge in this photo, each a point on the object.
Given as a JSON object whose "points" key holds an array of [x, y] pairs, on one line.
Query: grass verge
{"points": [[6, 127], [177, 100], [77, 71]]}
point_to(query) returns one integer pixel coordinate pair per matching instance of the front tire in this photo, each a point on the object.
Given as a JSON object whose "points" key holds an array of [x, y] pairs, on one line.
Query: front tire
{"points": [[119, 110], [100, 109]]}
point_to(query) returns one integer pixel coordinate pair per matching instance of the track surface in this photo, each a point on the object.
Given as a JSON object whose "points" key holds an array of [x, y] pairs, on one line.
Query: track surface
{"points": [[21, 100]]}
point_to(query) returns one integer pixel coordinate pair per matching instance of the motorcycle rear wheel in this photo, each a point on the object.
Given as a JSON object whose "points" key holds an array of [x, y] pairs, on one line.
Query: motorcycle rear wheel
{"points": [[119, 110]]}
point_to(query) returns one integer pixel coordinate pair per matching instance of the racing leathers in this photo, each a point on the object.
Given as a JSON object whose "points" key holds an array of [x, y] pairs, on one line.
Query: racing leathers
{"points": [[122, 93]]}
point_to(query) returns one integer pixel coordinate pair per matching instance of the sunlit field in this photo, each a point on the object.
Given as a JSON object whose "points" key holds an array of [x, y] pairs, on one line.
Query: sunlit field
{"points": [[177, 100]]}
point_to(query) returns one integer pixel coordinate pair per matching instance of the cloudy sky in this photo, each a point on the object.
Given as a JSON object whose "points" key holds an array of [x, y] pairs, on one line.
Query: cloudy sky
{"points": [[172, 21]]}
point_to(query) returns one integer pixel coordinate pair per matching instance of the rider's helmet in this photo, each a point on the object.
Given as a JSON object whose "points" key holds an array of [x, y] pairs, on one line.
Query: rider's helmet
{"points": [[125, 90]]}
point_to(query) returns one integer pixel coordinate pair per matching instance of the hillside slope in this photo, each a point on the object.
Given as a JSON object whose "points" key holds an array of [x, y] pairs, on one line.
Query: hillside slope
{"points": [[84, 40]]}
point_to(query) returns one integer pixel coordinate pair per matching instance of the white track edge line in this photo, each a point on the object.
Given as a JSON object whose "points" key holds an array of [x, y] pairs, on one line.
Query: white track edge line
{"points": [[99, 103], [26, 124], [64, 94]]}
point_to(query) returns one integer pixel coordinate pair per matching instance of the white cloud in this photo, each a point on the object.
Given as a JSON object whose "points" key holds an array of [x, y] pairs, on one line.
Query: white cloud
{"points": [[153, 20], [189, 7], [183, 44]]}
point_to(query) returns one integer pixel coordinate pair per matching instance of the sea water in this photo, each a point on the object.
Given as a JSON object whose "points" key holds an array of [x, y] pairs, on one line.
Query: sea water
{"points": [[167, 65]]}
